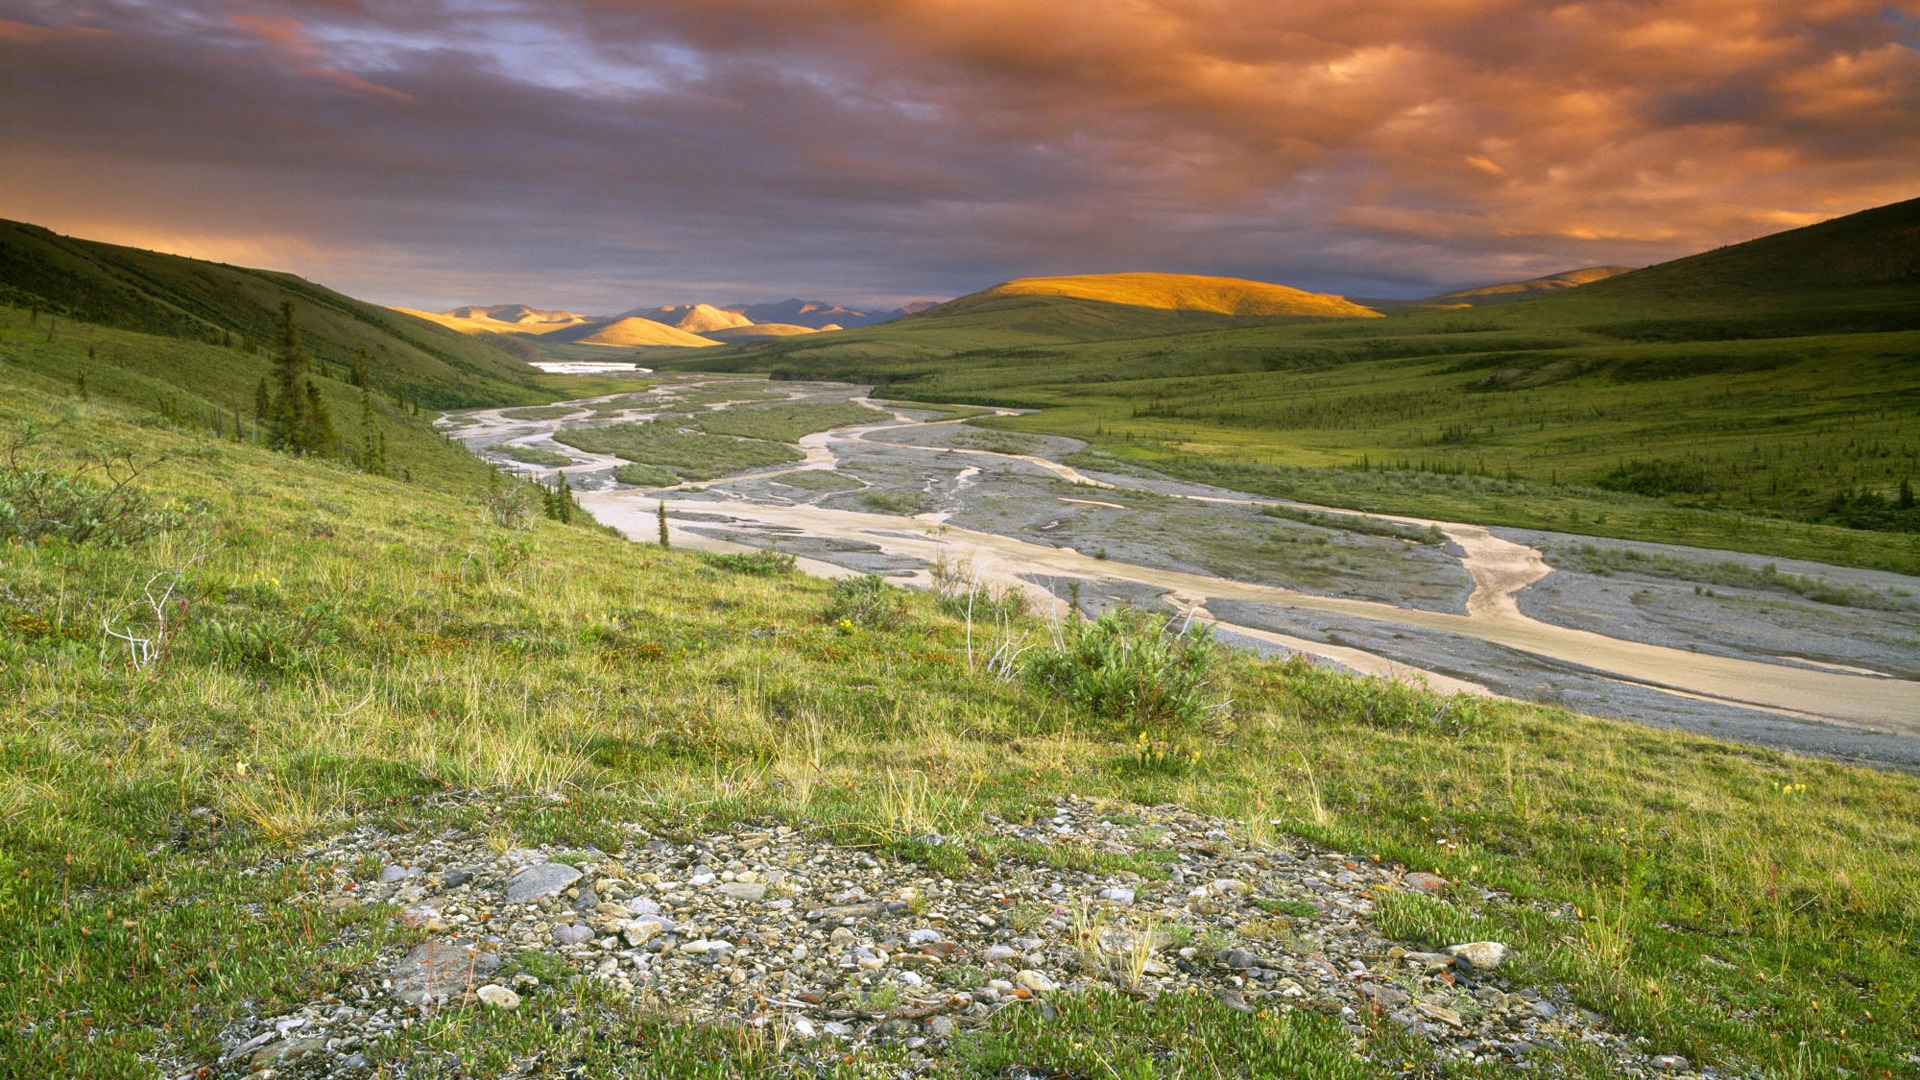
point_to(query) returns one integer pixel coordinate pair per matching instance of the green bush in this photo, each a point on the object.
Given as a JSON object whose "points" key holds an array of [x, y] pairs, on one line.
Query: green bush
{"points": [[38, 503], [767, 563], [1323, 694], [868, 601], [1132, 666]]}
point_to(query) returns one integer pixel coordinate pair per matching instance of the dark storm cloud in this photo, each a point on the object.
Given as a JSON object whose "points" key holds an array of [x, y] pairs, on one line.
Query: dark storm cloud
{"points": [[593, 153]]}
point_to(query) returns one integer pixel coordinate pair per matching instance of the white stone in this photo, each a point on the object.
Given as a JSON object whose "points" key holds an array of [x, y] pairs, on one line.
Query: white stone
{"points": [[1480, 955]]}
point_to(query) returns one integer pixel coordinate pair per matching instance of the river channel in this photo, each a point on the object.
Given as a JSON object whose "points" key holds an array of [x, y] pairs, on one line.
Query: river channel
{"points": [[1644, 632]]}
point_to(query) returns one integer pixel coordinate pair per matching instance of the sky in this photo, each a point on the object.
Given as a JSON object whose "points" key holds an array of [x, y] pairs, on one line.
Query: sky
{"points": [[597, 155]]}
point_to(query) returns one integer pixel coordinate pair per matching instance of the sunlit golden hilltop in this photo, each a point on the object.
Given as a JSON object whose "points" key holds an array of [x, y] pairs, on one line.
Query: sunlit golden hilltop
{"points": [[633, 331], [764, 330], [1187, 292], [501, 319], [693, 318]]}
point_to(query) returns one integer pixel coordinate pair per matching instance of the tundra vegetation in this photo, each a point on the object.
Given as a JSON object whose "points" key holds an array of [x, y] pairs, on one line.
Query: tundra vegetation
{"points": [[216, 655]]}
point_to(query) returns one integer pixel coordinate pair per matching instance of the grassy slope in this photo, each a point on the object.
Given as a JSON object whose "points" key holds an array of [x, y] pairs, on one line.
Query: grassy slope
{"points": [[982, 325], [374, 652], [191, 298], [1734, 396]]}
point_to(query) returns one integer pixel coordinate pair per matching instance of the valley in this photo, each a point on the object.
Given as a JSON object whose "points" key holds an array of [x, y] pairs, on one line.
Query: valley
{"points": [[1783, 653]]}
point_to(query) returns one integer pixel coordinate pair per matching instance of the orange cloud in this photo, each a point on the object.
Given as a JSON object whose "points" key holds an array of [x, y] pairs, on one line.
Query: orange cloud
{"points": [[284, 33], [947, 143]]}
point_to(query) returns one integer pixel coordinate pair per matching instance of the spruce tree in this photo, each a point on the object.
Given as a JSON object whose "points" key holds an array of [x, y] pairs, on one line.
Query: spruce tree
{"points": [[289, 416], [360, 374], [663, 525], [564, 502], [1906, 494], [373, 442], [262, 401], [318, 436]]}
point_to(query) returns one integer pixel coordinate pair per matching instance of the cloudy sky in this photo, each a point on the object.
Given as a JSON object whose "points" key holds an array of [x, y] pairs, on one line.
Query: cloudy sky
{"points": [[597, 154]]}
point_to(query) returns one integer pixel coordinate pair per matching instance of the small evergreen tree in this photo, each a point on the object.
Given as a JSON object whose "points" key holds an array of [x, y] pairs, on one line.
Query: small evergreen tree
{"points": [[262, 401], [360, 374], [373, 441], [663, 525], [319, 436], [566, 500], [1906, 494], [289, 415]]}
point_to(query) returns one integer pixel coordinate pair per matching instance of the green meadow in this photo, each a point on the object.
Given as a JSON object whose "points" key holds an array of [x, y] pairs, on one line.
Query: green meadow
{"points": [[338, 648]]}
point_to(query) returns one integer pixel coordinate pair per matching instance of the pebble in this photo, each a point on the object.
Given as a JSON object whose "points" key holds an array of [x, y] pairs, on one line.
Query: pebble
{"points": [[1035, 981], [727, 952], [1480, 955]]}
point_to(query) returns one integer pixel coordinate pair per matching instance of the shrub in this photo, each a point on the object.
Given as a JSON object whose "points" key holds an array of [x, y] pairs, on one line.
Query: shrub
{"points": [[38, 502], [512, 505], [1132, 666], [1390, 704], [767, 563], [868, 601]]}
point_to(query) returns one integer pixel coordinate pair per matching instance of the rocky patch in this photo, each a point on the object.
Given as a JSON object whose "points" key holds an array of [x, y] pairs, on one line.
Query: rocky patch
{"points": [[767, 926]]}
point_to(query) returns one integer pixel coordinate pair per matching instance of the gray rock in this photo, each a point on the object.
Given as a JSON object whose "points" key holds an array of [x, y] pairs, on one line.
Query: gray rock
{"points": [[1387, 996], [1671, 1062], [287, 1051], [587, 900], [455, 878], [940, 1027], [745, 892], [1000, 954], [1232, 999], [438, 970], [572, 935], [1119, 894], [1543, 1009], [923, 937], [540, 880], [1239, 959], [396, 872], [1479, 955]]}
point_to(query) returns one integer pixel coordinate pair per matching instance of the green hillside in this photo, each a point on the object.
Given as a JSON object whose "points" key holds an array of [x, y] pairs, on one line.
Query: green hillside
{"points": [[1037, 312], [1712, 400], [213, 302], [347, 666]]}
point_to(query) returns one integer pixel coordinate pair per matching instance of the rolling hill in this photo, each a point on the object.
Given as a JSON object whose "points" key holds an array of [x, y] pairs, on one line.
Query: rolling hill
{"points": [[1711, 395], [1509, 291], [631, 331], [1029, 313], [822, 314], [765, 330], [190, 298], [1174, 292], [501, 319], [693, 318]]}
